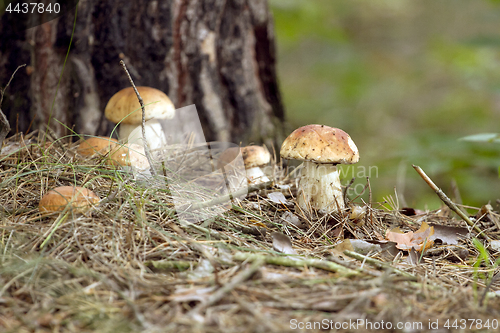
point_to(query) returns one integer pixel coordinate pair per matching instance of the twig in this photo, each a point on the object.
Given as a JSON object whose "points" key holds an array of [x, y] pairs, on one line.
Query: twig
{"points": [[200, 248], [449, 203], [378, 264], [370, 205], [4, 123], [494, 278], [237, 280], [2, 91], [297, 262], [345, 189], [166, 265], [143, 125]]}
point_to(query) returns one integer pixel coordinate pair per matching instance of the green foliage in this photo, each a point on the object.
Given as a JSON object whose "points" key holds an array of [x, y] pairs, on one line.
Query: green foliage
{"points": [[483, 137], [483, 260], [402, 83]]}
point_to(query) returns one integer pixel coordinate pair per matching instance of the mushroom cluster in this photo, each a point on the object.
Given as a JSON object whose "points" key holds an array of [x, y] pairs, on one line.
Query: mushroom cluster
{"points": [[321, 148]]}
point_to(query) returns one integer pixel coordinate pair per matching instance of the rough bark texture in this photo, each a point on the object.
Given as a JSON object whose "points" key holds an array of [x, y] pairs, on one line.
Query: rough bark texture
{"points": [[216, 54]]}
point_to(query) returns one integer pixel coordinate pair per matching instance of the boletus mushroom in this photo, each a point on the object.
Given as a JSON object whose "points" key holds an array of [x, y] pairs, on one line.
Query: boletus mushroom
{"points": [[129, 155], [124, 108], [254, 157], [80, 199], [321, 148], [101, 145]]}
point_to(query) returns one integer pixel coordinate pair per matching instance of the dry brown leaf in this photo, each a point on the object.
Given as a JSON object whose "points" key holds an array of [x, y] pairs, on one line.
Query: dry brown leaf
{"points": [[409, 240], [339, 249], [448, 235]]}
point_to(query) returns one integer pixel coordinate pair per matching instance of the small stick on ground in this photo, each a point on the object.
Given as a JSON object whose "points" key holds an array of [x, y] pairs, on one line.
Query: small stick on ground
{"points": [[344, 191], [448, 202], [143, 125], [237, 280], [200, 249], [378, 264], [297, 262], [369, 201]]}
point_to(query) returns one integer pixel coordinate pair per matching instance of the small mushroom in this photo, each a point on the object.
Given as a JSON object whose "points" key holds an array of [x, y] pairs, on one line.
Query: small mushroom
{"points": [[130, 155], [124, 108], [321, 148], [97, 145], [80, 199], [254, 157]]}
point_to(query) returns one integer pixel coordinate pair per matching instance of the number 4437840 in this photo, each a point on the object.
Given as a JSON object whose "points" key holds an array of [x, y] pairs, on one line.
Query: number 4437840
{"points": [[33, 8], [471, 324]]}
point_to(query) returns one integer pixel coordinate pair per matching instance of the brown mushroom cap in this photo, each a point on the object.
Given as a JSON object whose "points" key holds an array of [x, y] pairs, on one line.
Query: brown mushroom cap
{"points": [[58, 198], [129, 155], [253, 156], [320, 144], [96, 145], [125, 102]]}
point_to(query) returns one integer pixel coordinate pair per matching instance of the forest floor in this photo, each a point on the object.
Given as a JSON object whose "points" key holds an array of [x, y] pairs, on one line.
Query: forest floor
{"points": [[128, 265]]}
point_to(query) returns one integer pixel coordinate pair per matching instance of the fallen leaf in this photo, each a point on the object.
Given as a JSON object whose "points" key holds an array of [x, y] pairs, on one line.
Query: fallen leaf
{"points": [[413, 257], [486, 213], [290, 218], [277, 197], [339, 249], [282, 243], [495, 245], [448, 235], [416, 240], [357, 212], [363, 247]]}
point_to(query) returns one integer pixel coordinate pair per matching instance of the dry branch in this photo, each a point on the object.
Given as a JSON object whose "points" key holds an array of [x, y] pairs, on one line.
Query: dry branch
{"points": [[449, 203], [297, 262]]}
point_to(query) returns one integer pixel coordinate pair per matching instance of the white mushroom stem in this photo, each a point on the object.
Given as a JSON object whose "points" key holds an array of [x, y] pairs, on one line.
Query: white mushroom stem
{"points": [[154, 135], [319, 188], [125, 130], [255, 175]]}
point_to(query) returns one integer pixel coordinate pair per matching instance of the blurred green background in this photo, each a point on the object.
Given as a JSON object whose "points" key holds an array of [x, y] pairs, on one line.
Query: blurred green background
{"points": [[406, 79]]}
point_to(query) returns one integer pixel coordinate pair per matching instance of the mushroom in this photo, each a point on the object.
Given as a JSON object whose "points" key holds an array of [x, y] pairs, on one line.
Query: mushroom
{"points": [[254, 158], [129, 155], [56, 200], [96, 145], [321, 148], [124, 108], [154, 135]]}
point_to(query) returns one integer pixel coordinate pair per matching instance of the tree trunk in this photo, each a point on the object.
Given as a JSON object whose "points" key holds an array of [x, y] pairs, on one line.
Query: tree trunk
{"points": [[216, 54]]}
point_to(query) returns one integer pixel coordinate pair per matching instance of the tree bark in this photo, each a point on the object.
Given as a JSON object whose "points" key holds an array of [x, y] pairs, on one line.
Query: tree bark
{"points": [[216, 54]]}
